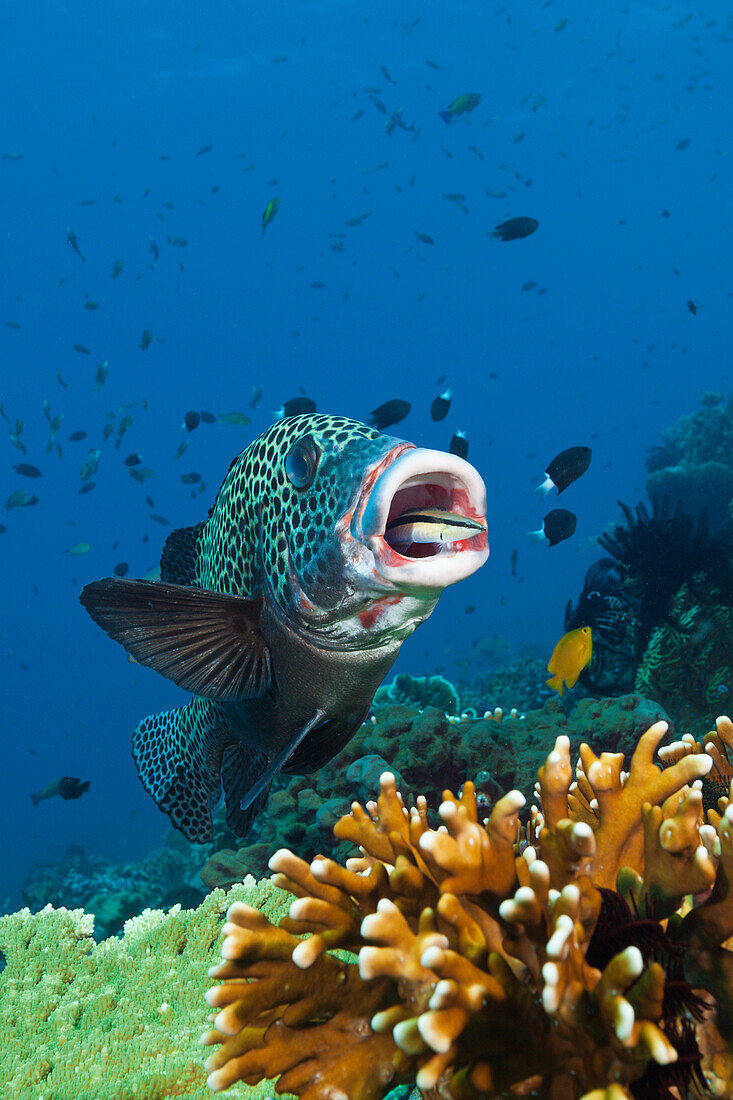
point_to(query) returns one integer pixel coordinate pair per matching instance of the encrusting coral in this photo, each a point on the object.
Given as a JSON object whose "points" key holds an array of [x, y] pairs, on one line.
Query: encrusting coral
{"points": [[492, 960]]}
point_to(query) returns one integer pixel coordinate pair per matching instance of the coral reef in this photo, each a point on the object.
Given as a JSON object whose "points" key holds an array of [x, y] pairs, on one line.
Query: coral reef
{"points": [[693, 464], [433, 952], [428, 752], [660, 608], [605, 606], [658, 553], [521, 684], [116, 1020], [420, 692], [689, 660], [116, 892]]}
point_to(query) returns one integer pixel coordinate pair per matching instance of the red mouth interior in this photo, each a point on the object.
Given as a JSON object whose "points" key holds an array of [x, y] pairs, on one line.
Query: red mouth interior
{"points": [[425, 495]]}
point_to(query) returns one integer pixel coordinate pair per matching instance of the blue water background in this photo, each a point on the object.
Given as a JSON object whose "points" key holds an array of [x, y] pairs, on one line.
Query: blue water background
{"points": [[579, 124]]}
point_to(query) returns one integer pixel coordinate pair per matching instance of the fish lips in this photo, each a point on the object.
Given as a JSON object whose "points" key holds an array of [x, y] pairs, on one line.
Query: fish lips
{"points": [[414, 477]]}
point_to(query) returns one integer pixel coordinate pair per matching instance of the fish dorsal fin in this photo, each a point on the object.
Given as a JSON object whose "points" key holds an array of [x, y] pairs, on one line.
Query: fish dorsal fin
{"points": [[208, 643], [178, 560]]}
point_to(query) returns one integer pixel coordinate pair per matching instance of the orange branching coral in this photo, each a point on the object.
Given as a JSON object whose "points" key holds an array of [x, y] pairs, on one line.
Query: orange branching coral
{"points": [[481, 972]]}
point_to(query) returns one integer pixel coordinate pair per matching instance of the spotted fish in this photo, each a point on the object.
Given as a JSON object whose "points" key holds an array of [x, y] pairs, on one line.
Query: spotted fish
{"points": [[283, 610]]}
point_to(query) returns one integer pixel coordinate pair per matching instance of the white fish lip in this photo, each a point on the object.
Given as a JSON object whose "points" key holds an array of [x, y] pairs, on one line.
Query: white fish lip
{"points": [[418, 477]]}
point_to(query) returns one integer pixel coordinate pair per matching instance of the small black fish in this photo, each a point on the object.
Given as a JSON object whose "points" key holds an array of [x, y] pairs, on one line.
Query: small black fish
{"points": [[66, 786], [146, 339], [133, 460], [440, 406], [558, 525], [207, 418], [191, 479], [692, 307], [295, 406], [87, 487], [204, 149], [81, 349], [514, 229], [161, 520], [391, 412], [459, 444], [529, 285], [73, 240], [191, 420], [121, 569], [26, 469], [565, 468], [424, 237]]}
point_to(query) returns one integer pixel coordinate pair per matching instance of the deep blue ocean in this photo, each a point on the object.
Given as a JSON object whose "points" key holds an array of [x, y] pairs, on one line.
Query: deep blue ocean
{"points": [[126, 123]]}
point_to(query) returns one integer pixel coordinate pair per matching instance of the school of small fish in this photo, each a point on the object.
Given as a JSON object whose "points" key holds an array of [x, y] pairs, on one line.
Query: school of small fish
{"points": [[93, 453]]}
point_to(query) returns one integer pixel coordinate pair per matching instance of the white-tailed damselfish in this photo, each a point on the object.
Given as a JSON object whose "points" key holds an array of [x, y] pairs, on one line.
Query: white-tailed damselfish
{"points": [[565, 468], [283, 611], [440, 406], [558, 525]]}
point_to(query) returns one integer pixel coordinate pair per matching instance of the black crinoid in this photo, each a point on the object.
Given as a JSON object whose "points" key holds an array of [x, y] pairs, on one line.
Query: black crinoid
{"points": [[619, 926], [659, 552]]}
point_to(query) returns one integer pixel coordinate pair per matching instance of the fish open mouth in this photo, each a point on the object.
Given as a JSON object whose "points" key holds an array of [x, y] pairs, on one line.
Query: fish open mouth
{"points": [[425, 519]]}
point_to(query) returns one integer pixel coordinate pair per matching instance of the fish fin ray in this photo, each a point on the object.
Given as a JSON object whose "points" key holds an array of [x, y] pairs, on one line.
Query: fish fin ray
{"points": [[322, 744], [180, 555], [208, 643], [178, 755], [241, 766], [263, 780]]}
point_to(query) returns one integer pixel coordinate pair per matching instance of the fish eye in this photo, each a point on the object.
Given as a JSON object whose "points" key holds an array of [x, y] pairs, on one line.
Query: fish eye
{"points": [[301, 463]]}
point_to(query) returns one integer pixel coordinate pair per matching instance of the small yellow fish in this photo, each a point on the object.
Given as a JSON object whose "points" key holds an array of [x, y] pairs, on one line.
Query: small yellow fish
{"points": [[569, 657]]}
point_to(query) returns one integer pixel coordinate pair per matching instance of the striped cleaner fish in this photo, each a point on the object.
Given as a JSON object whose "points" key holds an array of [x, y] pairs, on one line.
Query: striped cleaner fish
{"points": [[283, 611]]}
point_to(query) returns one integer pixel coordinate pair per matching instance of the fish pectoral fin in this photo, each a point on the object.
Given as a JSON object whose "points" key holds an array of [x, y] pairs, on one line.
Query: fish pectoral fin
{"points": [[265, 778], [208, 643]]}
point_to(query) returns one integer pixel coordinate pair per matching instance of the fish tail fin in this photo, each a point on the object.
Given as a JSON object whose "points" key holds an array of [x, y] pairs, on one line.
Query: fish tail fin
{"points": [[556, 682], [547, 485], [178, 754], [446, 116], [35, 799], [538, 535]]}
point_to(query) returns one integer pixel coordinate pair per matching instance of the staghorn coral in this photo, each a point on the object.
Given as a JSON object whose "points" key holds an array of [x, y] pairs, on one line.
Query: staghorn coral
{"points": [[431, 953]]}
